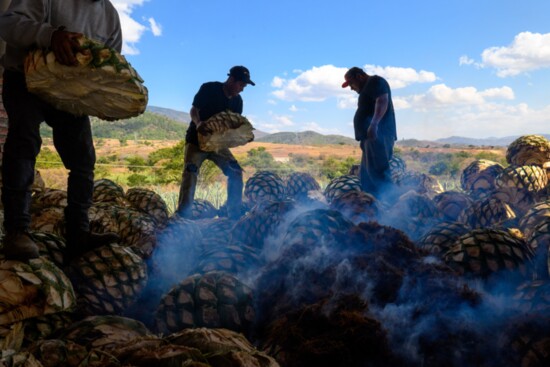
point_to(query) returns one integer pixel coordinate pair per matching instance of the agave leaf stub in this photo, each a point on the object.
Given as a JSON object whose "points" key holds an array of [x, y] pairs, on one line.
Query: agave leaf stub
{"points": [[103, 84], [228, 129]]}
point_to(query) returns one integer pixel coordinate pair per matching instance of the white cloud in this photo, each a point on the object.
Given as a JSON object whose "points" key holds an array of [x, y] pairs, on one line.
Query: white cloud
{"points": [[132, 30], [276, 124], [441, 96], [155, 27], [314, 85], [528, 52], [283, 120], [323, 82], [481, 121], [401, 77], [465, 60]]}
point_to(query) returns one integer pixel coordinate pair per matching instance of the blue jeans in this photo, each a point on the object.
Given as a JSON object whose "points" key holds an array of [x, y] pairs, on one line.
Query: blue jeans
{"points": [[72, 137], [374, 171]]}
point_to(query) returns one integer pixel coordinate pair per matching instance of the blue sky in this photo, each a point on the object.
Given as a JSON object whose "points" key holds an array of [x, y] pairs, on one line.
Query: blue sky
{"points": [[456, 67]]}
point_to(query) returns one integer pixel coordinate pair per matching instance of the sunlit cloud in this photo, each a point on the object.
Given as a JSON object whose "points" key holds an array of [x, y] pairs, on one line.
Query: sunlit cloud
{"points": [[401, 77], [441, 95], [283, 120], [323, 82], [314, 85], [528, 52], [132, 30], [155, 27]]}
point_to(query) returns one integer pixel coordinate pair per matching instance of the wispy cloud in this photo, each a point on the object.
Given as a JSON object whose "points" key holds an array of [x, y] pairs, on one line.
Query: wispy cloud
{"points": [[314, 85], [442, 96], [155, 27], [399, 77], [527, 52], [132, 30]]}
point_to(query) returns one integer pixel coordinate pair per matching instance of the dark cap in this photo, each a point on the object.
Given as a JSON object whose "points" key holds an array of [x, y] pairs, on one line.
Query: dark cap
{"points": [[241, 73], [352, 74]]}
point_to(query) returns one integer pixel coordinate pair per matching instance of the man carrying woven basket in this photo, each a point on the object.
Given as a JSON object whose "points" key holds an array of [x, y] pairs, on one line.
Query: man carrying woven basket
{"points": [[213, 98], [56, 25]]}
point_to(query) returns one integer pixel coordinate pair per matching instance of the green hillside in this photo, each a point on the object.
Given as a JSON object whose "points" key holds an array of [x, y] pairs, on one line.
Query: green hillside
{"points": [[305, 138], [148, 126]]}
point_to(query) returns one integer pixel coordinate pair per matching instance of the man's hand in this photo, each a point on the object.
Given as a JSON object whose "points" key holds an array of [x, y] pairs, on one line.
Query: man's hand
{"points": [[372, 131], [65, 45]]}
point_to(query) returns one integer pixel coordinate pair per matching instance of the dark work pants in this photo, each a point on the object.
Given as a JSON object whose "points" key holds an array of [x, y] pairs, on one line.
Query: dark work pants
{"points": [[72, 137], [375, 169], [224, 159]]}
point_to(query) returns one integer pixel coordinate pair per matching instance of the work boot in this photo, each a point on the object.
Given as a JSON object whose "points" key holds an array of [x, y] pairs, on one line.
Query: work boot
{"points": [[82, 242], [18, 245]]}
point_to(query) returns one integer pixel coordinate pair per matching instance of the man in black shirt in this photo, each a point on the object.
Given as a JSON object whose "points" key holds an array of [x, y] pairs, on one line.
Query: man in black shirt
{"points": [[374, 125], [212, 98]]}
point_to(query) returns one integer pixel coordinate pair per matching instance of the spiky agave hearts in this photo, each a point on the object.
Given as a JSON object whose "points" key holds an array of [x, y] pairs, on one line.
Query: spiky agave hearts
{"points": [[227, 130], [341, 185], [419, 182], [49, 198], [235, 259], [451, 203], [539, 242], [479, 176], [102, 84], [529, 150], [106, 190], [105, 333], [484, 252], [219, 345], [32, 289], [442, 237], [298, 184], [358, 206], [108, 279], [213, 300], [203, 209], [313, 228], [487, 213], [150, 203], [531, 178], [398, 167], [264, 185], [525, 340], [262, 221], [538, 213]]}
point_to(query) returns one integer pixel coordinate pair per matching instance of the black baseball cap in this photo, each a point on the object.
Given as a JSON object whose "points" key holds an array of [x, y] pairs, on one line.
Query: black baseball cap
{"points": [[241, 73]]}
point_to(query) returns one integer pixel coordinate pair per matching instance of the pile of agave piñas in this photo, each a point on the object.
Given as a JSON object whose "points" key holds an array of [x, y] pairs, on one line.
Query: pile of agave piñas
{"points": [[306, 277]]}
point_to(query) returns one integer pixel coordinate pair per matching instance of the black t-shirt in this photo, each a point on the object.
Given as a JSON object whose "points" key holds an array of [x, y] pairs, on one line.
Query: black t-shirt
{"points": [[210, 100], [374, 88]]}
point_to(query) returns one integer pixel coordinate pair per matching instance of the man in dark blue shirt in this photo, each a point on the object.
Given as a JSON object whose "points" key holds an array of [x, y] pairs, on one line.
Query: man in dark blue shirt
{"points": [[374, 125], [212, 98]]}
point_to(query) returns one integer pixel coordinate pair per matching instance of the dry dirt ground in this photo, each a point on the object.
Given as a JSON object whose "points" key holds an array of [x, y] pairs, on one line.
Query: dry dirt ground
{"points": [[107, 147]]}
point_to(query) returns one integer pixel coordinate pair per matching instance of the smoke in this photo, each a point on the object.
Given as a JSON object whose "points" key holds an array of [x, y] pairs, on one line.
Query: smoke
{"points": [[307, 261]]}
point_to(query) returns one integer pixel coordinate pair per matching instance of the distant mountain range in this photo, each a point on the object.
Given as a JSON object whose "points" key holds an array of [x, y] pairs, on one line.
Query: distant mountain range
{"points": [[492, 141], [302, 138], [178, 116]]}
